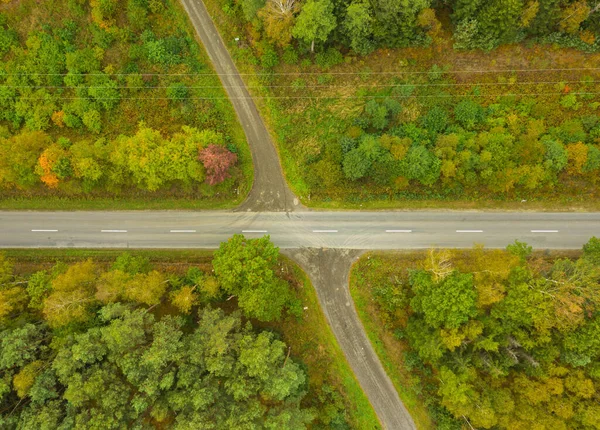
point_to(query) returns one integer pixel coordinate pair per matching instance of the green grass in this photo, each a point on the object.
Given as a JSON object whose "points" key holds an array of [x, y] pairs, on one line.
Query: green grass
{"points": [[155, 255], [64, 203], [565, 204]]}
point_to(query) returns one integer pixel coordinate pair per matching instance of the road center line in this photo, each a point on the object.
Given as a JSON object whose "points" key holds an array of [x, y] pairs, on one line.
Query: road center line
{"points": [[113, 231], [182, 231], [398, 231], [254, 231], [544, 231], [469, 231], [43, 230], [325, 231]]}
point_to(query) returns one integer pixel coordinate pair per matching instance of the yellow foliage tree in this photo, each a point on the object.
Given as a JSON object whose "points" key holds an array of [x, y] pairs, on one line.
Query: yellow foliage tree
{"points": [[278, 19], [148, 289], [111, 286], [24, 380], [184, 298], [72, 293], [573, 15], [577, 153]]}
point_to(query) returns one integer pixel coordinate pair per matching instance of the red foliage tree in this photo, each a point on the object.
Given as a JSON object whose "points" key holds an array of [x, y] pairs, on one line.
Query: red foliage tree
{"points": [[217, 160]]}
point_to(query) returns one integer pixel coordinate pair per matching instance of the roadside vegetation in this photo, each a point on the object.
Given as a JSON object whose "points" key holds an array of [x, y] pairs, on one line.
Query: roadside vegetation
{"points": [[503, 339], [442, 113], [102, 99], [156, 339]]}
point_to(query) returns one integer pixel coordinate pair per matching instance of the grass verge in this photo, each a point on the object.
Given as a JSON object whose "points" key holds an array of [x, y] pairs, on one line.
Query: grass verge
{"points": [[70, 204]]}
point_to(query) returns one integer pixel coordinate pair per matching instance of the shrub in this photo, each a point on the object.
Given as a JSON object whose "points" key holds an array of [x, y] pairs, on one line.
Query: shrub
{"points": [[177, 91], [269, 59], [436, 120], [329, 58], [290, 56], [468, 113], [356, 164]]}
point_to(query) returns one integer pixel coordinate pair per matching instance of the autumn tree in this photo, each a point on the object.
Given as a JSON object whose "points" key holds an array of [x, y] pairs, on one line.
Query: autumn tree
{"points": [[72, 294], [217, 161], [278, 20]]}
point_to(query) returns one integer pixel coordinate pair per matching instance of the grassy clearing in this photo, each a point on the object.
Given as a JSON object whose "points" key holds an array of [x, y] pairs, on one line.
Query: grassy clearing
{"points": [[311, 339], [532, 72]]}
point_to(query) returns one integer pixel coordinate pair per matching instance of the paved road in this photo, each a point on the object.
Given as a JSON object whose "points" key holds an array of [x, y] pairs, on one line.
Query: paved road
{"points": [[349, 230], [269, 191]]}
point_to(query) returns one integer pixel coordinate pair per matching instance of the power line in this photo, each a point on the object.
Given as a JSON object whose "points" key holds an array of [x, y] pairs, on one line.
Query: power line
{"points": [[449, 84], [367, 72], [315, 97]]}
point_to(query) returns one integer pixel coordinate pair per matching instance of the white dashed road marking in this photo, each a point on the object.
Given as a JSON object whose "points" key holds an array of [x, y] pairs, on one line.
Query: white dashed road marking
{"points": [[398, 231], [254, 231], [544, 231], [182, 231], [113, 231], [469, 231], [325, 231], [42, 230]]}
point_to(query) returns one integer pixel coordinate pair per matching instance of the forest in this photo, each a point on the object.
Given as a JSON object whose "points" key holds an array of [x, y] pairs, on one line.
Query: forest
{"points": [[106, 98], [503, 339], [103, 343], [364, 26]]}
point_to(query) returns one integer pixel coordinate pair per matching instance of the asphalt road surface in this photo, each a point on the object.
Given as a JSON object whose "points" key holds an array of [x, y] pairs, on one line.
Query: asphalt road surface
{"points": [[349, 230]]}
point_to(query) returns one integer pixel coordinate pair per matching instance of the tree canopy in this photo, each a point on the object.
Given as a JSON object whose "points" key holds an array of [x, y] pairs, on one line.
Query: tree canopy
{"points": [[498, 339]]}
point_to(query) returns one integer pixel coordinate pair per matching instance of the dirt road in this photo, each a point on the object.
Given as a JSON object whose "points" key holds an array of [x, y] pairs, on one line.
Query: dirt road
{"points": [[328, 271], [269, 191]]}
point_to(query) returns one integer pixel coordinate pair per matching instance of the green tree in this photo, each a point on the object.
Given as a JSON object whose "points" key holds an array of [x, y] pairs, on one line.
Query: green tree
{"points": [[245, 268], [396, 21], [448, 303], [251, 7], [358, 26], [356, 164], [315, 22]]}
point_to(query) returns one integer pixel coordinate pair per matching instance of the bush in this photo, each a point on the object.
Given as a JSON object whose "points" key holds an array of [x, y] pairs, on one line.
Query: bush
{"points": [[177, 91], [329, 58], [468, 113], [269, 59], [356, 164], [436, 120], [290, 56]]}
